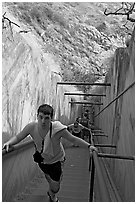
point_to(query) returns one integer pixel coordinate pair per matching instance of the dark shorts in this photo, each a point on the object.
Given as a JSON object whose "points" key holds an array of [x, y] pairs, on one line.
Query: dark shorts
{"points": [[53, 170]]}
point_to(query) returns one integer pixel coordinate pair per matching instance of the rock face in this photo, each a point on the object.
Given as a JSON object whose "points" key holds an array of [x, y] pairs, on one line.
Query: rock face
{"points": [[29, 80], [118, 120], [78, 34]]}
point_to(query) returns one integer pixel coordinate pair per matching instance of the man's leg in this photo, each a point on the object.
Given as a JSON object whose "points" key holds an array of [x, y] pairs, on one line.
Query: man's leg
{"points": [[54, 187]]}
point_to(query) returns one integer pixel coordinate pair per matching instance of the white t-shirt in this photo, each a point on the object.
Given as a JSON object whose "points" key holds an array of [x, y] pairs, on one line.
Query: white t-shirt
{"points": [[53, 150]]}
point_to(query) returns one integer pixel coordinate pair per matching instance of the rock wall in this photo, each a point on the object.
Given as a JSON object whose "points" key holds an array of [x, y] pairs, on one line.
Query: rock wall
{"points": [[29, 78], [118, 120]]}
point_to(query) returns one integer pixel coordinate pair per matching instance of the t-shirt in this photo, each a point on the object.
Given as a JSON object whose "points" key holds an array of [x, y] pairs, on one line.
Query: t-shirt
{"points": [[72, 128], [84, 122], [53, 150]]}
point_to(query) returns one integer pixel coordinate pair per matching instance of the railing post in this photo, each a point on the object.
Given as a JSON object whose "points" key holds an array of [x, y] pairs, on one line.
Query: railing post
{"points": [[102, 189], [92, 178]]}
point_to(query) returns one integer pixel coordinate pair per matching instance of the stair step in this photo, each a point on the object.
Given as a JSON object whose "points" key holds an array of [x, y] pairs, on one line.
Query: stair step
{"points": [[66, 185], [35, 198], [74, 194], [74, 186], [68, 199]]}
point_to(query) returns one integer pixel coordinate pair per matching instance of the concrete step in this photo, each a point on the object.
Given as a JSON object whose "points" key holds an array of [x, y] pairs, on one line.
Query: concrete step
{"points": [[74, 193], [74, 186], [68, 199]]}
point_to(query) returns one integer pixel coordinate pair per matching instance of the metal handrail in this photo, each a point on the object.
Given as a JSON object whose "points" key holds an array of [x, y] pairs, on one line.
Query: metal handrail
{"points": [[116, 156], [83, 83], [105, 145], [83, 102], [104, 192], [115, 98], [83, 94], [18, 147], [96, 166], [100, 135]]}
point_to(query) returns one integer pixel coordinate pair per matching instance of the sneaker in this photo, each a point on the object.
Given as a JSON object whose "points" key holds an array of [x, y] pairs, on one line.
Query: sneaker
{"points": [[57, 200], [50, 199]]}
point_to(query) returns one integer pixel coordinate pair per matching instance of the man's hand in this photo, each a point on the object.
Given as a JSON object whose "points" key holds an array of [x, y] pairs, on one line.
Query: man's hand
{"points": [[6, 146]]}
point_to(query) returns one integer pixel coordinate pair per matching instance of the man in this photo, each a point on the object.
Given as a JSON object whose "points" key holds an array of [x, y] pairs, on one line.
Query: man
{"points": [[49, 154], [77, 130], [84, 120]]}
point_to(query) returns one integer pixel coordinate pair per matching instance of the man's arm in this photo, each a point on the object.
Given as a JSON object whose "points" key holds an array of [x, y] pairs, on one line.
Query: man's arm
{"points": [[16, 139]]}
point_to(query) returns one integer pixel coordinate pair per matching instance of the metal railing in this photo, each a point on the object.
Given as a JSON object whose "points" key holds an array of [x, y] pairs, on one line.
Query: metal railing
{"points": [[83, 83], [130, 86], [23, 145], [95, 168], [94, 161], [82, 94]]}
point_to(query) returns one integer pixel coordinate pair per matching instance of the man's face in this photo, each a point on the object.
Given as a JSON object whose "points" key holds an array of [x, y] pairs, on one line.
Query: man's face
{"points": [[75, 124], [44, 120]]}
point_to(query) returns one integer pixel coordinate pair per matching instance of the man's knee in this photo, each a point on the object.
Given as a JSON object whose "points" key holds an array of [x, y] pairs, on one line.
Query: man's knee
{"points": [[55, 187]]}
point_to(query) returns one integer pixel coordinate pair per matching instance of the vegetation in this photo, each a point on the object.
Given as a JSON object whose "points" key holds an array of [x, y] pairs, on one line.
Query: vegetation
{"points": [[81, 36]]}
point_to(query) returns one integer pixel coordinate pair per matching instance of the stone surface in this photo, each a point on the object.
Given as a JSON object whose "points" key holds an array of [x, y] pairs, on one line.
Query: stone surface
{"points": [[81, 38], [29, 79]]}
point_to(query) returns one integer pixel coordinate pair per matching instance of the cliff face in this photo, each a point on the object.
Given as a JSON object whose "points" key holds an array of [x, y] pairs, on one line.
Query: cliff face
{"points": [[78, 34], [118, 120], [29, 80]]}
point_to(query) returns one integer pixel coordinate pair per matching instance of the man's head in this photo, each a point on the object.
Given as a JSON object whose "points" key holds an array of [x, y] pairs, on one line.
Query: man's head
{"points": [[85, 115], [46, 110], [44, 115], [77, 119], [76, 123]]}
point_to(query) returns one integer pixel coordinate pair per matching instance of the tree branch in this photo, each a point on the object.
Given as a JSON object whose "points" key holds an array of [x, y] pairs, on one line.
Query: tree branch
{"points": [[10, 22], [123, 11]]}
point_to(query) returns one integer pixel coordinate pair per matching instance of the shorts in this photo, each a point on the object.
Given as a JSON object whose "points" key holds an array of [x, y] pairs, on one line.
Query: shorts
{"points": [[53, 170]]}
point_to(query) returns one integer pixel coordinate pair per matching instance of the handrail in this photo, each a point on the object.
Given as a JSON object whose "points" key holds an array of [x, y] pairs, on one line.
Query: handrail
{"points": [[83, 102], [96, 166], [118, 198], [115, 98], [116, 156], [105, 197], [83, 83], [100, 135], [92, 178], [105, 145], [17, 147], [83, 94]]}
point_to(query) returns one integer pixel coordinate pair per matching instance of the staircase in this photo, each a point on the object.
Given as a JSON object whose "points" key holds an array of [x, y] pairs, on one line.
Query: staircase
{"points": [[75, 183]]}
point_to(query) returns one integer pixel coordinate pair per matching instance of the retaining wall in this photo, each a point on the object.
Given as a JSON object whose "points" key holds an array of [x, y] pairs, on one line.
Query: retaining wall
{"points": [[118, 120]]}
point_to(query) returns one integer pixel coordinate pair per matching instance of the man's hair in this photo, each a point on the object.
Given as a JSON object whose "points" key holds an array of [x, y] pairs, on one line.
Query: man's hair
{"points": [[77, 120], [46, 109], [85, 114]]}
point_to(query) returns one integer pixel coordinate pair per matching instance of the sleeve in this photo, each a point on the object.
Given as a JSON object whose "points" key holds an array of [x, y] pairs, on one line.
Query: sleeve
{"points": [[57, 126]]}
